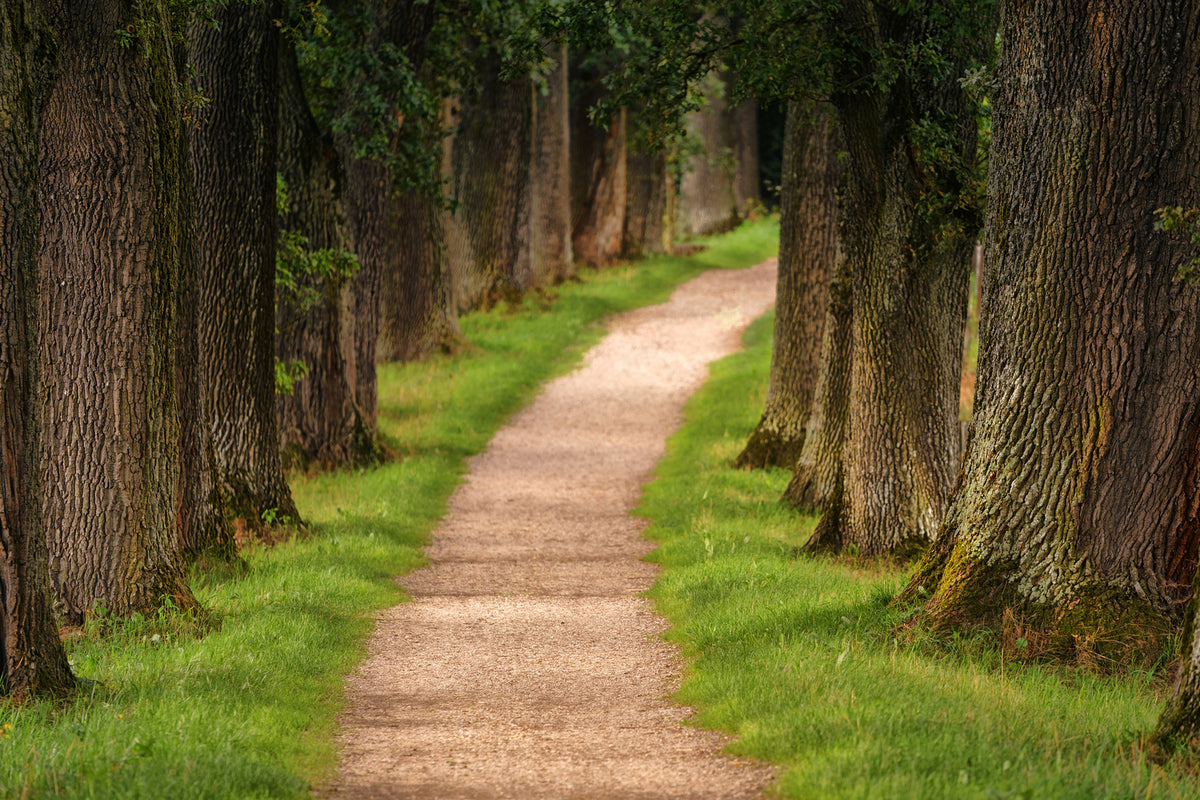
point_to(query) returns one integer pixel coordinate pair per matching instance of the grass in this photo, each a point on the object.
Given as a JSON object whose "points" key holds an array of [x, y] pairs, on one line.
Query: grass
{"points": [[244, 704], [796, 657]]}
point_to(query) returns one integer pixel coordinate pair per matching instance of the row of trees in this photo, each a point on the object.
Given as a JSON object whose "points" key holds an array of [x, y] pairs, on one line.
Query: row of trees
{"points": [[203, 203], [1070, 516]]}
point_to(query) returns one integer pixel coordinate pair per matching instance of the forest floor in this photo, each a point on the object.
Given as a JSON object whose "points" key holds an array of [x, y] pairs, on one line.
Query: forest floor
{"points": [[528, 665]]}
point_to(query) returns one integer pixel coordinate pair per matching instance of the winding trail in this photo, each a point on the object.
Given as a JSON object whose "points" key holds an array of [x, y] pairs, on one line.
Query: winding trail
{"points": [[527, 665]]}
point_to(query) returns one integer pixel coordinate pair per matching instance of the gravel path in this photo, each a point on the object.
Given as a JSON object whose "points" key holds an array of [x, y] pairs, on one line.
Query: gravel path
{"points": [[527, 666]]}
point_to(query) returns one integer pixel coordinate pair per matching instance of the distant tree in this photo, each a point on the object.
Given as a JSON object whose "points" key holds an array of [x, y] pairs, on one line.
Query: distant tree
{"points": [[32, 660]]}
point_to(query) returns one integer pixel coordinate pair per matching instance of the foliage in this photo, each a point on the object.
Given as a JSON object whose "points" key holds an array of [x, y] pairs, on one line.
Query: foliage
{"points": [[244, 705], [1186, 225], [797, 658]]}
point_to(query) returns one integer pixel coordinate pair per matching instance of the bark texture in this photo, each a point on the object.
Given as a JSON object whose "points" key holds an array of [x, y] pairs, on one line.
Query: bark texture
{"points": [[488, 235], [234, 155], [599, 172], [551, 257], [1077, 511], [109, 187], [647, 228], [808, 246], [910, 265], [320, 420], [32, 660], [707, 196], [746, 186]]}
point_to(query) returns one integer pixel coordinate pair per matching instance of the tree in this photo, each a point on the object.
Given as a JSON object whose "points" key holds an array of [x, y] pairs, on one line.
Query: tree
{"points": [[707, 198], [551, 258], [808, 247], [110, 188], [32, 660], [234, 158], [599, 174], [1076, 516]]}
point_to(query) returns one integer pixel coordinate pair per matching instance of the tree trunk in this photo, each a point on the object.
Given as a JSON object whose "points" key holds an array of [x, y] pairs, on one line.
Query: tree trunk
{"points": [[599, 173], [552, 260], [1076, 516], [234, 154], [746, 190], [646, 230], [910, 258], [320, 420], [489, 170], [707, 198], [807, 252], [817, 482], [32, 660], [111, 231]]}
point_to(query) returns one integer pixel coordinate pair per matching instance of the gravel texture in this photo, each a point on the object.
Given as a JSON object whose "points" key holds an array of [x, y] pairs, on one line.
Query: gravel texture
{"points": [[527, 665]]}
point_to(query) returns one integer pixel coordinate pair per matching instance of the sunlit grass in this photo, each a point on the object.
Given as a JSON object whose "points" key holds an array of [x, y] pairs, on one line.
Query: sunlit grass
{"points": [[795, 655], [244, 704]]}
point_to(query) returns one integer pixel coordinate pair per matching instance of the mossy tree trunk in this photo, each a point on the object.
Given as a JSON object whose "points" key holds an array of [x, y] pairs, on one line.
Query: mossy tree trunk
{"points": [[488, 235], [551, 257], [599, 170], [910, 262], [707, 200], [808, 246], [235, 159], [646, 190], [109, 186], [747, 192], [1078, 511], [320, 420], [32, 659]]}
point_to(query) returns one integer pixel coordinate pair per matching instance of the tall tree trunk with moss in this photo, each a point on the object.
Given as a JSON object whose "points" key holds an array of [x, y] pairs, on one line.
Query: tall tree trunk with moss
{"points": [[319, 419], [551, 257], [488, 234], [909, 239], [109, 187], [807, 252], [234, 155], [1078, 508], [32, 659], [646, 191]]}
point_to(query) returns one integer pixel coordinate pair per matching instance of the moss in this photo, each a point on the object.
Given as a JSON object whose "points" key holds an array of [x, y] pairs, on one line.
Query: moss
{"points": [[767, 447]]}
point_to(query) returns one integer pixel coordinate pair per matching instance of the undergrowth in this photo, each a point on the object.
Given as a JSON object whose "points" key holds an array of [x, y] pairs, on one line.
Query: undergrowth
{"points": [[241, 701], [798, 656]]}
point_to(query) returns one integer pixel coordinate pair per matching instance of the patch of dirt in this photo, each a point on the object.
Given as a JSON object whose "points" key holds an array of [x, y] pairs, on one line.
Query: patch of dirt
{"points": [[528, 666]]}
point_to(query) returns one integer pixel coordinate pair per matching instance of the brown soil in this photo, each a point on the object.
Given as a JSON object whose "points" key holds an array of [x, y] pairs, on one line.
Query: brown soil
{"points": [[527, 665]]}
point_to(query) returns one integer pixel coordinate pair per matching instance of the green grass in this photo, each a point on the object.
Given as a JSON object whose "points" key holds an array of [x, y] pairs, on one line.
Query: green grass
{"points": [[247, 709], [795, 655]]}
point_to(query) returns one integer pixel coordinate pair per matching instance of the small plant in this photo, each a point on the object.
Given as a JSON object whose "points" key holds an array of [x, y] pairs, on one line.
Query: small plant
{"points": [[1184, 223]]}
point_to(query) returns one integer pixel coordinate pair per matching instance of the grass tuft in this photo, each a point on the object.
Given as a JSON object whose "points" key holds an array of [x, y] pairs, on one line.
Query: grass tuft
{"points": [[799, 656]]}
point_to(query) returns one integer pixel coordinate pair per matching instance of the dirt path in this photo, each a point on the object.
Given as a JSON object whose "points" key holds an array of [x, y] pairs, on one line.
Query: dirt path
{"points": [[527, 666]]}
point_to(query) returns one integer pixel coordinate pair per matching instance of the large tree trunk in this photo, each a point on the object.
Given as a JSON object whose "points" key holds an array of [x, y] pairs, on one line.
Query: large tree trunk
{"points": [[488, 235], [320, 420], [598, 173], [707, 198], [646, 191], [32, 660], [1078, 510], [234, 154], [910, 297], [808, 245], [110, 188], [551, 257], [746, 190]]}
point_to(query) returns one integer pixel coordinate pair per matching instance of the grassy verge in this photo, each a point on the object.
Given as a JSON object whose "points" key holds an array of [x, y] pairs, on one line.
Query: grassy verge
{"points": [[247, 709], [794, 654]]}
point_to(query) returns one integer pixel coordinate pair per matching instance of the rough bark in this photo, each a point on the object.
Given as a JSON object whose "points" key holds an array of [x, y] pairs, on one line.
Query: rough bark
{"points": [[320, 420], [32, 660], [109, 187], [234, 156], [807, 253], [910, 262], [707, 198], [417, 310], [488, 235], [816, 483], [646, 227], [551, 257], [598, 172], [1077, 512]]}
